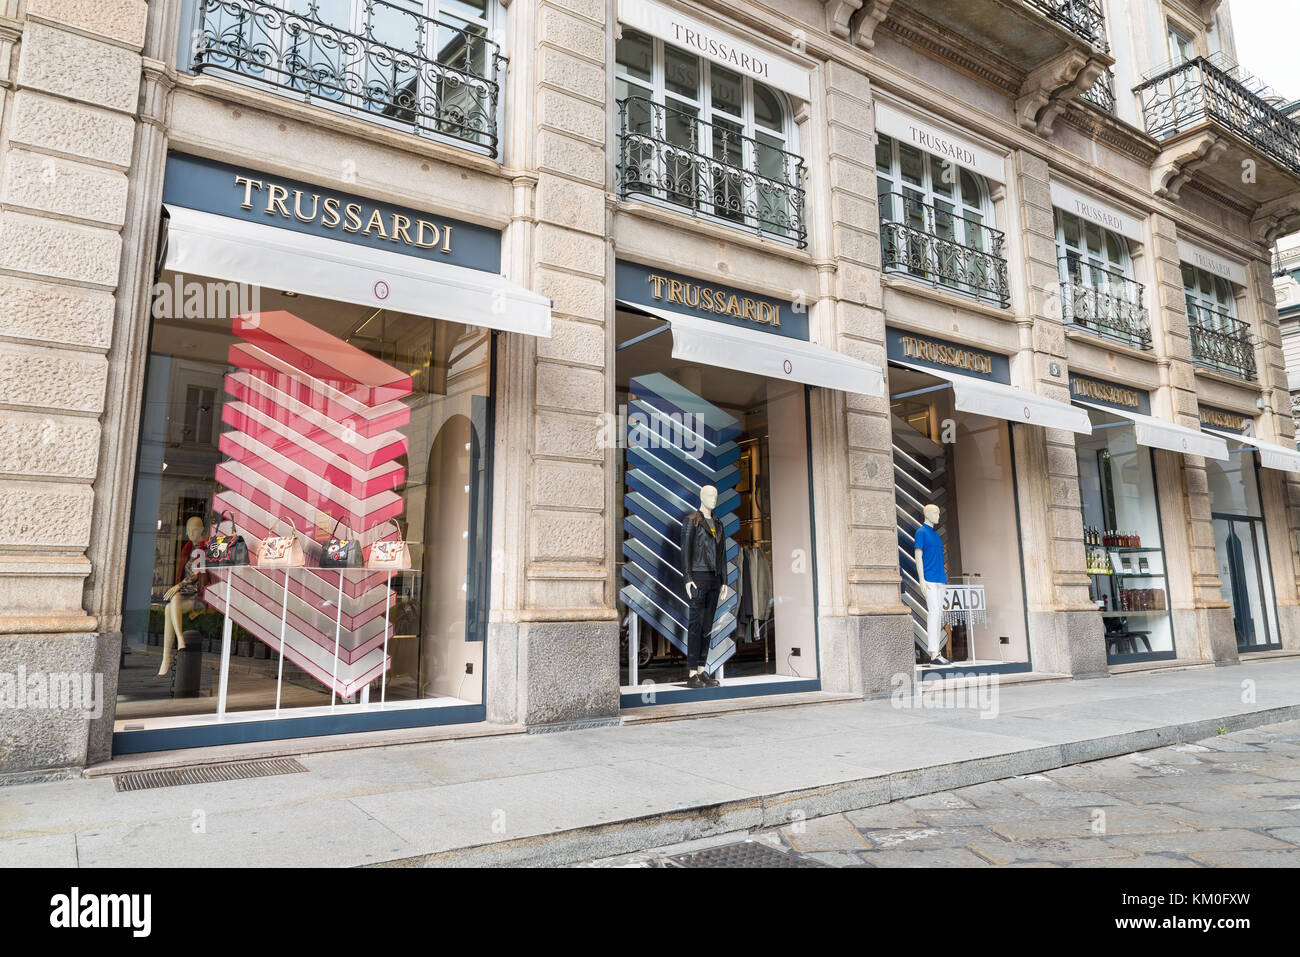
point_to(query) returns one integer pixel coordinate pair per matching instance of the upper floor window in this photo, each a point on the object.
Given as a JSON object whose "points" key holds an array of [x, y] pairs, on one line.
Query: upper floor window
{"points": [[425, 66], [1220, 339], [700, 136], [1098, 291], [1182, 48], [934, 219]]}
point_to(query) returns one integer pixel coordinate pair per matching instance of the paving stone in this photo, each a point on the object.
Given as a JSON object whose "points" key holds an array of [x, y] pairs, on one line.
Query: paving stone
{"points": [[1249, 858], [831, 833], [1289, 834], [894, 814], [928, 837], [1194, 843], [945, 799], [1054, 850], [938, 857], [837, 858], [990, 795]]}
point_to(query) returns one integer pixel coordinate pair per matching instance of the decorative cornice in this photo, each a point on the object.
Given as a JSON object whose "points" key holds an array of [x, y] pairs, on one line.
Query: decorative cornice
{"points": [[1100, 125], [925, 35], [1223, 199]]}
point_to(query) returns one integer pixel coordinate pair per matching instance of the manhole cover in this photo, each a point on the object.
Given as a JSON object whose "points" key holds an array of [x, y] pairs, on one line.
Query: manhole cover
{"points": [[206, 774], [741, 854]]}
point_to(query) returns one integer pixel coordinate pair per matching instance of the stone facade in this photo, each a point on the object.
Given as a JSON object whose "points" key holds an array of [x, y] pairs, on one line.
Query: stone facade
{"points": [[95, 94]]}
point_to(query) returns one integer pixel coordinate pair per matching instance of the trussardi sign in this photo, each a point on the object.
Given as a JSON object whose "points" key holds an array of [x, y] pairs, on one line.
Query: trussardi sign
{"points": [[1202, 258], [1111, 394], [698, 36], [259, 197], [1095, 210], [915, 349], [1223, 419], [664, 289], [935, 137]]}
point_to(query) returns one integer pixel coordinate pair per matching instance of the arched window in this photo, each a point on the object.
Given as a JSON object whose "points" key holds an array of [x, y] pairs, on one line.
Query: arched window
{"points": [[1219, 338], [698, 135], [935, 222], [1098, 291]]}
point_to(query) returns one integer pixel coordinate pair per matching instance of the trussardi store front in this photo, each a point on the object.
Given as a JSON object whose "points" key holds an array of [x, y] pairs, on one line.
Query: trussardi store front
{"points": [[955, 417], [717, 552], [1241, 539], [309, 548], [1123, 537]]}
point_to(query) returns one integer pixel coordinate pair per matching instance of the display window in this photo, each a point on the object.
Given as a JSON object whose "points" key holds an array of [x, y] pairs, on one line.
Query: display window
{"points": [[955, 498], [1241, 545], [716, 550], [1123, 541], [309, 536]]}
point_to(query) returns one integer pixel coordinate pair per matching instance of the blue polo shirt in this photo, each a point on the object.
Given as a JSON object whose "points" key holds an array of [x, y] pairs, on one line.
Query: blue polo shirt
{"points": [[931, 546]]}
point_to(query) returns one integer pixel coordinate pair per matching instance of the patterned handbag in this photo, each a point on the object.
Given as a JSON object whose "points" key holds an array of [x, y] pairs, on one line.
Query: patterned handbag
{"points": [[389, 555], [224, 551], [341, 552], [281, 551]]}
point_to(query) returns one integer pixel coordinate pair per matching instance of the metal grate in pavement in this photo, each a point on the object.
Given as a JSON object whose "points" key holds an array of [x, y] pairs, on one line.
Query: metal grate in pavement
{"points": [[741, 854], [206, 774]]}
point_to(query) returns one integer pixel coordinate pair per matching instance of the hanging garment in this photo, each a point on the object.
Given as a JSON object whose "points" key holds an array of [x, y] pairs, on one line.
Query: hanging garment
{"points": [[761, 582], [745, 594]]}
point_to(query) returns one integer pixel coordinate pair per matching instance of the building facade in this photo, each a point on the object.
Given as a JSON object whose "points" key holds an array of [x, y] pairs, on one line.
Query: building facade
{"points": [[362, 357]]}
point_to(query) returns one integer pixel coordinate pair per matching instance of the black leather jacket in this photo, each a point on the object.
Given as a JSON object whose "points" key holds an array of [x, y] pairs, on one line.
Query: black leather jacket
{"points": [[702, 554]]}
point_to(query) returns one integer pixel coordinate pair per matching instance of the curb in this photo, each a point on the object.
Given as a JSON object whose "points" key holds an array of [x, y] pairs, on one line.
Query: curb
{"points": [[680, 825]]}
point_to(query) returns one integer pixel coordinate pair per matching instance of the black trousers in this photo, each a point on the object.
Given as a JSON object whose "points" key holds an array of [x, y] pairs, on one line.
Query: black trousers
{"points": [[703, 607]]}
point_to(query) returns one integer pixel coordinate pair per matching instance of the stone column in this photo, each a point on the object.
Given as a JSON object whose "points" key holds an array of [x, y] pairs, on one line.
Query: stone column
{"points": [[1202, 619], [1065, 632], [866, 631], [553, 655], [70, 123]]}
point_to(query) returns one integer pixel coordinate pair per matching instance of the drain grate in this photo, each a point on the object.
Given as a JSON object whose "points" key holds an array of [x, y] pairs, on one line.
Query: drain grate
{"points": [[742, 854], [206, 774]]}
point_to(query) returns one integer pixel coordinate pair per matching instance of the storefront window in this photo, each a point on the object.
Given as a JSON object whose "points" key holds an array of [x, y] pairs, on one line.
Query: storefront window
{"points": [[1122, 536], [688, 426], [1242, 549], [962, 463], [358, 438]]}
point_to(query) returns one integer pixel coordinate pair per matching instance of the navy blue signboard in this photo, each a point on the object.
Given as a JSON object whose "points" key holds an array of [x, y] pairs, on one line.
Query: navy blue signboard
{"points": [[663, 289], [274, 200], [947, 356], [1112, 395], [1225, 420]]}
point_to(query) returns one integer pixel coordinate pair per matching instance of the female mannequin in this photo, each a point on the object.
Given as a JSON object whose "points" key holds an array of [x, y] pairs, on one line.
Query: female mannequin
{"points": [[184, 595]]}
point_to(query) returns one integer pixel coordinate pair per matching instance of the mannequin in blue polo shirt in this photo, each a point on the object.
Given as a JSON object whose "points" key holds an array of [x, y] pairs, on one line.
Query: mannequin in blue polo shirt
{"points": [[933, 576]]}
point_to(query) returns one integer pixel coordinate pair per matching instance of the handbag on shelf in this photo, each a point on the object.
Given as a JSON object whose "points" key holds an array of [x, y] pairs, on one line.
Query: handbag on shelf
{"points": [[392, 555], [281, 551], [225, 551], [341, 552]]}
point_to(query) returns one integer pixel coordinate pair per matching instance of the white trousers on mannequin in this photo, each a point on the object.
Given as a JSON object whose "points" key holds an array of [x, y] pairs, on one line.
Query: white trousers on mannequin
{"points": [[933, 618]]}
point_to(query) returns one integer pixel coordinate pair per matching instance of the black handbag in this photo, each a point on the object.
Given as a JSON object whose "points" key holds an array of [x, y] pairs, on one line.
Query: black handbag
{"points": [[341, 552], [224, 551]]}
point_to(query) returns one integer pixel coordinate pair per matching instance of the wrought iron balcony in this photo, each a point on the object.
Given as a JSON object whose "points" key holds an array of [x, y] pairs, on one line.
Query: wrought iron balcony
{"points": [[1102, 92], [1221, 342], [400, 68], [712, 170], [1105, 302], [1083, 18], [1198, 92], [934, 244]]}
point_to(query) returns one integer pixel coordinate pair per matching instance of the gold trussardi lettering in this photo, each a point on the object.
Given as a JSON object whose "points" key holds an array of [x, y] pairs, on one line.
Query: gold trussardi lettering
{"points": [[944, 355], [332, 213], [719, 301], [1224, 420], [1103, 392]]}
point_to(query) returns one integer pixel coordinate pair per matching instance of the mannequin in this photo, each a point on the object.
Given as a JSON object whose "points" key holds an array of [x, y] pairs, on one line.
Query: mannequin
{"points": [[704, 570], [184, 595], [933, 576]]}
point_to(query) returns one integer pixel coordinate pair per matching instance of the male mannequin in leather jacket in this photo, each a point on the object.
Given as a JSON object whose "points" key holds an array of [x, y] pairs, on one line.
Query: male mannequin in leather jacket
{"points": [[704, 571]]}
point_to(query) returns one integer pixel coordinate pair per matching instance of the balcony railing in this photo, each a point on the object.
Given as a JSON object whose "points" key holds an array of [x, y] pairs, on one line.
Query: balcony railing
{"points": [[709, 169], [1105, 302], [1221, 342], [1102, 92], [1199, 91], [400, 68], [1083, 18], [933, 243]]}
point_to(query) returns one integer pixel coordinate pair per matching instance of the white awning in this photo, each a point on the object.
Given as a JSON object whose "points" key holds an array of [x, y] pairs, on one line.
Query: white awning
{"points": [[1007, 402], [221, 247], [715, 343], [1270, 456], [1159, 434]]}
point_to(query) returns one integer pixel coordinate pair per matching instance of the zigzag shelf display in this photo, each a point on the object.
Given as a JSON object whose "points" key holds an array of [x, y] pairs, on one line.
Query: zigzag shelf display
{"points": [[314, 436], [663, 481]]}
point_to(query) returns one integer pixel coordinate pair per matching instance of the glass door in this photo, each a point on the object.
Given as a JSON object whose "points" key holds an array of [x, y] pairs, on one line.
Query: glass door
{"points": [[1247, 585]]}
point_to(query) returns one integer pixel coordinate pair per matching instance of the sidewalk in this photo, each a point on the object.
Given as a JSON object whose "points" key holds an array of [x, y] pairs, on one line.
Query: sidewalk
{"points": [[562, 797]]}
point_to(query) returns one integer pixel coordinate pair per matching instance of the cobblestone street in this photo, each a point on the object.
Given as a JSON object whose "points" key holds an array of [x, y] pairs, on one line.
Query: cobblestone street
{"points": [[1231, 800]]}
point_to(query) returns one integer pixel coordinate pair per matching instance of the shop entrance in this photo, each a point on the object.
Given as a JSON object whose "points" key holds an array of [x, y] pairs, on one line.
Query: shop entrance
{"points": [[1239, 544]]}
